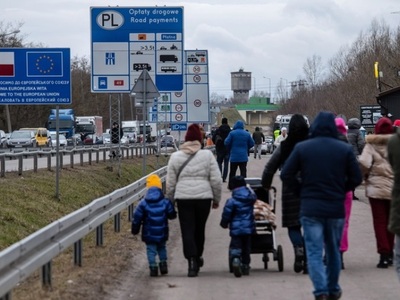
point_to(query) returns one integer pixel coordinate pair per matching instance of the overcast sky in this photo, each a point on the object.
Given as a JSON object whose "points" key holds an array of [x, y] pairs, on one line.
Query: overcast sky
{"points": [[270, 38]]}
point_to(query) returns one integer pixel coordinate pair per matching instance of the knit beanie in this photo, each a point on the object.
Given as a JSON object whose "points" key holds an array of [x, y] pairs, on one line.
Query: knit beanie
{"points": [[384, 126], [224, 121], [236, 181], [153, 181], [193, 133], [341, 125], [396, 123]]}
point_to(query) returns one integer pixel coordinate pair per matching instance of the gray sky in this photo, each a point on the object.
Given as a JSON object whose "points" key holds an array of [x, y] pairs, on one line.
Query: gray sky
{"points": [[270, 38]]}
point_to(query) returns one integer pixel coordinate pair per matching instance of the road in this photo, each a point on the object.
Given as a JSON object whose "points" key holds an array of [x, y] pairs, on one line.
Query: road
{"points": [[360, 280]]}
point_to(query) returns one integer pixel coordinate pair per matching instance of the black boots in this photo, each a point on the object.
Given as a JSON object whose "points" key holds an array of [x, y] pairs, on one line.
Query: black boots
{"points": [[193, 267], [245, 270], [163, 267], [298, 259], [236, 267], [383, 261], [153, 271]]}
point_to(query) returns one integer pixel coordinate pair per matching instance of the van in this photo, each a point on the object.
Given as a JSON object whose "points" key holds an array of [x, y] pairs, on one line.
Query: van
{"points": [[168, 57], [169, 69], [41, 135]]}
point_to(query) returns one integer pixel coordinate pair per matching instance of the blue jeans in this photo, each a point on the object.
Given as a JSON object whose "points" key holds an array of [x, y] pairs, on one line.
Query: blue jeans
{"points": [[240, 247], [156, 248], [223, 157], [295, 236], [323, 234]]}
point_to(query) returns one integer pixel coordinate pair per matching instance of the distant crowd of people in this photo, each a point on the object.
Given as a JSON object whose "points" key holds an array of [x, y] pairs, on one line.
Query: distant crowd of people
{"points": [[320, 168]]}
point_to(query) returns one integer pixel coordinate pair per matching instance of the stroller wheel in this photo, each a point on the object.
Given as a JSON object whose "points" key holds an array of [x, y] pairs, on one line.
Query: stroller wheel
{"points": [[265, 260], [280, 258]]}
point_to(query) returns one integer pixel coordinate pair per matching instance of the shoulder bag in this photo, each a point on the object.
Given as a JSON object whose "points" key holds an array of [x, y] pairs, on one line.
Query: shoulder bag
{"points": [[184, 164]]}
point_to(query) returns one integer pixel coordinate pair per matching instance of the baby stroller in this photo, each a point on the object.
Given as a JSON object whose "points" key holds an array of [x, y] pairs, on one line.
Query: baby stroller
{"points": [[263, 241]]}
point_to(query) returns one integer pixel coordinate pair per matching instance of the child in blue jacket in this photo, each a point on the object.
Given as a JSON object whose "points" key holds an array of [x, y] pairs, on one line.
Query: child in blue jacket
{"points": [[239, 216], [152, 213]]}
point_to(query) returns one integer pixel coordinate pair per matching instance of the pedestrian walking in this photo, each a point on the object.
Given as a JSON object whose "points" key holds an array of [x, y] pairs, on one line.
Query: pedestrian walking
{"points": [[344, 243], [394, 218], [238, 142], [281, 137], [327, 168], [379, 181], [258, 138], [151, 215], [238, 215], [355, 139], [194, 183], [222, 152], [290, 198]]}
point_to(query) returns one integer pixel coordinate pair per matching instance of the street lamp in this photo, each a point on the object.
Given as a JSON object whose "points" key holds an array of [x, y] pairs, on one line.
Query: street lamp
{"points": [[8, 117], [269, 82], [255, 86]]}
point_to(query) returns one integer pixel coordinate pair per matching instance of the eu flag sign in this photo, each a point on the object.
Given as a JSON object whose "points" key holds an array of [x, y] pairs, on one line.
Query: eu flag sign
{"points": [[44, 63]]}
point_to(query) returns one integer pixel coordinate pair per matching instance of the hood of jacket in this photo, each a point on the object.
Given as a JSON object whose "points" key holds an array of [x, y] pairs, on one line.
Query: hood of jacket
{"points": [[244, 194], [378, 142], [324, 125], [154, 194], [190, 147], [354, 123], [238, 125]]}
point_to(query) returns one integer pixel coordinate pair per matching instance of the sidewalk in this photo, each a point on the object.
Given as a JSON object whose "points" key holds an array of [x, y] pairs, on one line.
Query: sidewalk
{"points": [[360, 280]]}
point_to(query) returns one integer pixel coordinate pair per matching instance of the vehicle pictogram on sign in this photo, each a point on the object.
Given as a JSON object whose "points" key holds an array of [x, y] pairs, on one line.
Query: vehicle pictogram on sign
{"points": [[178, 107], [197, 102], [197, 78], [178, 117]]}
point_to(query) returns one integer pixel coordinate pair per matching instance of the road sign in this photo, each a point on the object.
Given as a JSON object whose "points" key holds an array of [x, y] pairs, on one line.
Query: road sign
{"points": [[128, 40], [35, 76], [144, 87], [179, 126]]}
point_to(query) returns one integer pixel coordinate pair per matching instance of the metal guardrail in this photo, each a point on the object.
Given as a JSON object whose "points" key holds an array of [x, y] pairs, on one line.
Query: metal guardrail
{"points": [[126, 152], [36, 251]]}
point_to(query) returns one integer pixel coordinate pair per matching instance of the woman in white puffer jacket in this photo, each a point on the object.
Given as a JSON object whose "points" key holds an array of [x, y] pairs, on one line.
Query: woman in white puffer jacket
{"points": [[195, 189]]}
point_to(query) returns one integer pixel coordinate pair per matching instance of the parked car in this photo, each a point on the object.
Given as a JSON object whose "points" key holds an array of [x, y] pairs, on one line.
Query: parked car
{"points": [[266, 147], [3, 139], [62, 140], [21, 138], [106, 138]]}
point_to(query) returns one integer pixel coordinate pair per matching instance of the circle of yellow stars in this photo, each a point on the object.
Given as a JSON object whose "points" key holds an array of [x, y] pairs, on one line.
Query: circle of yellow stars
{"points": [[39, 63]]}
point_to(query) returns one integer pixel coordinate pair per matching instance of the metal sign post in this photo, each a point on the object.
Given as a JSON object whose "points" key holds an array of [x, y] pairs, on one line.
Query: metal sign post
{"points": [[144, 88]]}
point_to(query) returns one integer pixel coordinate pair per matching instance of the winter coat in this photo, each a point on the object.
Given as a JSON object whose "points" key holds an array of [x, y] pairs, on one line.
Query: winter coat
{"points": [[290, 191], [152, 214], [354, 136], [258, 137], [375, 167], [238, 212], [328, 168], [394, 160], [223, 132], [200, 179], [239, 141]]}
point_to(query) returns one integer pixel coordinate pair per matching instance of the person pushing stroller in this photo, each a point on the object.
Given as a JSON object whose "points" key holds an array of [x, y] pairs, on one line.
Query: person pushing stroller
{"points": [[238, 214]]}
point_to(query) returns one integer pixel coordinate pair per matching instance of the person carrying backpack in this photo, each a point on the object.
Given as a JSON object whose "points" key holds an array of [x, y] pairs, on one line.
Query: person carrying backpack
{"points": [[222, 152]]}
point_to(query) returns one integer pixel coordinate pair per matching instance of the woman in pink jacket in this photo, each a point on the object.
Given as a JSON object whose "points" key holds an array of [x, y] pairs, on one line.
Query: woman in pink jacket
{"points": [[344, 243]]}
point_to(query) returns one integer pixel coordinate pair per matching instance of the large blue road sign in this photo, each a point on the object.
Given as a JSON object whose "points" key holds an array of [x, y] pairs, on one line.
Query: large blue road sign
{"points": [[35, 76], [127, 40]]}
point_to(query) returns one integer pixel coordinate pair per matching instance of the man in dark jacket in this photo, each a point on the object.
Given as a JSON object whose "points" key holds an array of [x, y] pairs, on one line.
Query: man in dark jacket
{"points": [[258, 138], [222, 152], [328, 168], [238, 142]]}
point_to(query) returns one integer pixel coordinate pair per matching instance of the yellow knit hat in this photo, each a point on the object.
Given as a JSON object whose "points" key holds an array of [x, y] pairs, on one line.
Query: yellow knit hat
{"points": [[153, 180]]}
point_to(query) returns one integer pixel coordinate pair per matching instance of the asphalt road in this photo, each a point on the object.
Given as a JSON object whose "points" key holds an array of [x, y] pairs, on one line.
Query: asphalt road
{"points": [[360, 280]]}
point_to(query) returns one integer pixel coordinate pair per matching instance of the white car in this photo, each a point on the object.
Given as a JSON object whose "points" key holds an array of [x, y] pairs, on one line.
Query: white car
{"points": [[62, 140]]}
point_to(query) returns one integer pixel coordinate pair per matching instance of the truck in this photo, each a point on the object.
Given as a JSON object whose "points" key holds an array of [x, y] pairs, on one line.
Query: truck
{"points": [[89, 126], [66, 123], [133, 130]]}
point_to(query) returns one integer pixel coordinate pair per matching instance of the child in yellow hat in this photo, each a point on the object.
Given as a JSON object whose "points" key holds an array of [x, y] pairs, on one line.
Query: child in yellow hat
{"points": [[152, 214]]}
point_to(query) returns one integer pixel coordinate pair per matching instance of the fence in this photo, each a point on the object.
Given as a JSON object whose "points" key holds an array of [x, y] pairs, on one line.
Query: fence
{"points": [[99, 153], [36, 251]]}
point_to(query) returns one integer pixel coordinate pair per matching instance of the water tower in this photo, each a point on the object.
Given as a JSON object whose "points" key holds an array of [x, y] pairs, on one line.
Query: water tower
{"points": [[241, 85]]}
